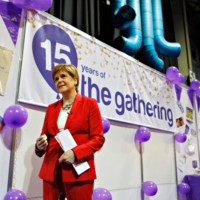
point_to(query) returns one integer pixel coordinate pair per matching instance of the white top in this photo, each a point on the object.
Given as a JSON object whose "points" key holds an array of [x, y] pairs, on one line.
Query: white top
{"points": [[62, 118]]}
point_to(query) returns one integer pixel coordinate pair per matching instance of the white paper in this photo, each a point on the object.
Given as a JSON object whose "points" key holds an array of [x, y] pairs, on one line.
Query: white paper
{"points": [[66, 141], [5, 63]]}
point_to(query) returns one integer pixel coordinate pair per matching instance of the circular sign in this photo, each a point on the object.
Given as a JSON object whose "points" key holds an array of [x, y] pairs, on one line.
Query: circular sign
{"points": [[51, 46]]}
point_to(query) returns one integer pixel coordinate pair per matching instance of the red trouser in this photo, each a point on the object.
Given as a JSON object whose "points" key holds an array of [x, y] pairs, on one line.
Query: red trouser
{"points": [[73, 190]]}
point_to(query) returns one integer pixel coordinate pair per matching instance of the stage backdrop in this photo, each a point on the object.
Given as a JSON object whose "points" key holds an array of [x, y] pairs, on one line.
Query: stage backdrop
{"points": [[125, 89]]}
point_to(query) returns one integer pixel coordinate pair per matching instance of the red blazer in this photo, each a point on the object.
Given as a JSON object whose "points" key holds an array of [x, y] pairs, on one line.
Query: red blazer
{"points": [[85, 124]]}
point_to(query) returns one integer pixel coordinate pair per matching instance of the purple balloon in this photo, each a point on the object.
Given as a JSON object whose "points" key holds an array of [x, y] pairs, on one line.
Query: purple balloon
{"points": [[180, 137], [143, 134], [179, 80], [106, 124], [195, 84], [41, 4], [22, 3], [15, 194], [149, 188], [183, 188], [172, 73], [197, 91], [101, 194], [15, 116]]}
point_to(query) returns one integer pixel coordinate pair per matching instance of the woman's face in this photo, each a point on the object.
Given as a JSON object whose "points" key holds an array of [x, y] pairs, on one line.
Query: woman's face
{"points": [[64, 82]]}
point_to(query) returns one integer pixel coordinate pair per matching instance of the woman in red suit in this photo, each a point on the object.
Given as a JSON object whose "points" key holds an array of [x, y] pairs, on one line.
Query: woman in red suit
{"points": [[81, 116]]}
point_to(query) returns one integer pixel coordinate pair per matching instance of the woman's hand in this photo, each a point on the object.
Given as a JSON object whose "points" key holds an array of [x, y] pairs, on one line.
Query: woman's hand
{"points": [[68, 157], [41, 142]]}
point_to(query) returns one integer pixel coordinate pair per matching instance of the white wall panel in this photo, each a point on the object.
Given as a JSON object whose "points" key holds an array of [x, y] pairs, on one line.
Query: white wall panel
{"points": [[27, 164], [5, 101], [159, 158], [118, 163]]}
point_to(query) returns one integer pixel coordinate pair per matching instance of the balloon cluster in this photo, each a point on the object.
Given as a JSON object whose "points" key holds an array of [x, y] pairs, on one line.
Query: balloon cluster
{"points": [[183, 188], [15, 194], [195, 86], [142, 134], [33, 4], [106, 124], [149, 188], [174, 76], [15, 116], [180, 137], [101, 194]]}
